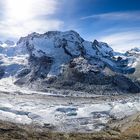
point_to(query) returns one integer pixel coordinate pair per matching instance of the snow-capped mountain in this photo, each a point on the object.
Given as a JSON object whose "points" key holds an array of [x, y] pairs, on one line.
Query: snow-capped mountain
{"points": [[62, 47], [7, 43], [65, 56], [7, 48], [133, 52], [9, 62]]}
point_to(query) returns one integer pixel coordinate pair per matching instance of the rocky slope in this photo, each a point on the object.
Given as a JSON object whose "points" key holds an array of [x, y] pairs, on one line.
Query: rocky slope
{"points": [[129, 131]]}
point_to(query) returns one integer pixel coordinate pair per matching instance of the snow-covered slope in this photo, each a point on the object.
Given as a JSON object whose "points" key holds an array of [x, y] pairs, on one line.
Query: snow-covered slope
{"points": [[9, 43], [7, 48], [9, 62]]}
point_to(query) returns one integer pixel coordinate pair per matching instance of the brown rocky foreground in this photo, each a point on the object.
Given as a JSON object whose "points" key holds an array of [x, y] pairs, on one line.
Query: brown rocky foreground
{"points": [[126, 129]]}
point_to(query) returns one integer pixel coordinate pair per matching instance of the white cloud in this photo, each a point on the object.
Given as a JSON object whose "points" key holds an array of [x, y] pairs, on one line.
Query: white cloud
{"points": [[21, 10], [12, 29], [22, 17], [123, 41], [133, 15]]}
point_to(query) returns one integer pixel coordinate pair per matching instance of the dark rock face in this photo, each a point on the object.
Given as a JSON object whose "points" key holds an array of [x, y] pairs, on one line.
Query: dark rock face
{"points": [[40, 66], [84, 72], [2, 72], [126, 84], [23, 72]]}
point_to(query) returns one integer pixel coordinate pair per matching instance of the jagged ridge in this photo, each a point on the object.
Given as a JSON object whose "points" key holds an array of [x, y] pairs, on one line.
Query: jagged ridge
{"points": [[65, 58], [65, 46]]}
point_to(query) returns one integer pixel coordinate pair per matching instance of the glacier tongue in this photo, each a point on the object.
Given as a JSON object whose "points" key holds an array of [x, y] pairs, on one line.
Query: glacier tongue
{"points": [[65, 115]]}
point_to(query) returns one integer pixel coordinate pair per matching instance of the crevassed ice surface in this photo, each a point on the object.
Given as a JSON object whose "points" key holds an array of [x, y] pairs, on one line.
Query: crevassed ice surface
{"points": [[64, 114]]}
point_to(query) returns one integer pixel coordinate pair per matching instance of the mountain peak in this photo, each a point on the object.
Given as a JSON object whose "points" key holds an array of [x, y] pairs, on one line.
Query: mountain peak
{"points": [[62, 47], [65, 55], [9, 43]]}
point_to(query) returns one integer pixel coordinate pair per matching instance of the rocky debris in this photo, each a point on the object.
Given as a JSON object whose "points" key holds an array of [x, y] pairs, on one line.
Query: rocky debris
{"points": [[83, 66], [127, 129], [82, 71]]}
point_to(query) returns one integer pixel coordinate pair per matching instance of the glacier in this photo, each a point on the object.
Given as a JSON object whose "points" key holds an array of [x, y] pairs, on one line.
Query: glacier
{"points": [[60, 81]]}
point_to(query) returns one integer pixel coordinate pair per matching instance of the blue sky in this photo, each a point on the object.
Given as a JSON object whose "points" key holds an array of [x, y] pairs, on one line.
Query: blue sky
{"points": [[116, 22]]}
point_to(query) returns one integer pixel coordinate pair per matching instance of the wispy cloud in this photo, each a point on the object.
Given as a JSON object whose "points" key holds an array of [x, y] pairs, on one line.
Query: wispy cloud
{"points": [[119, 29], [123, 41], [133, 15], [21, 17]]}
